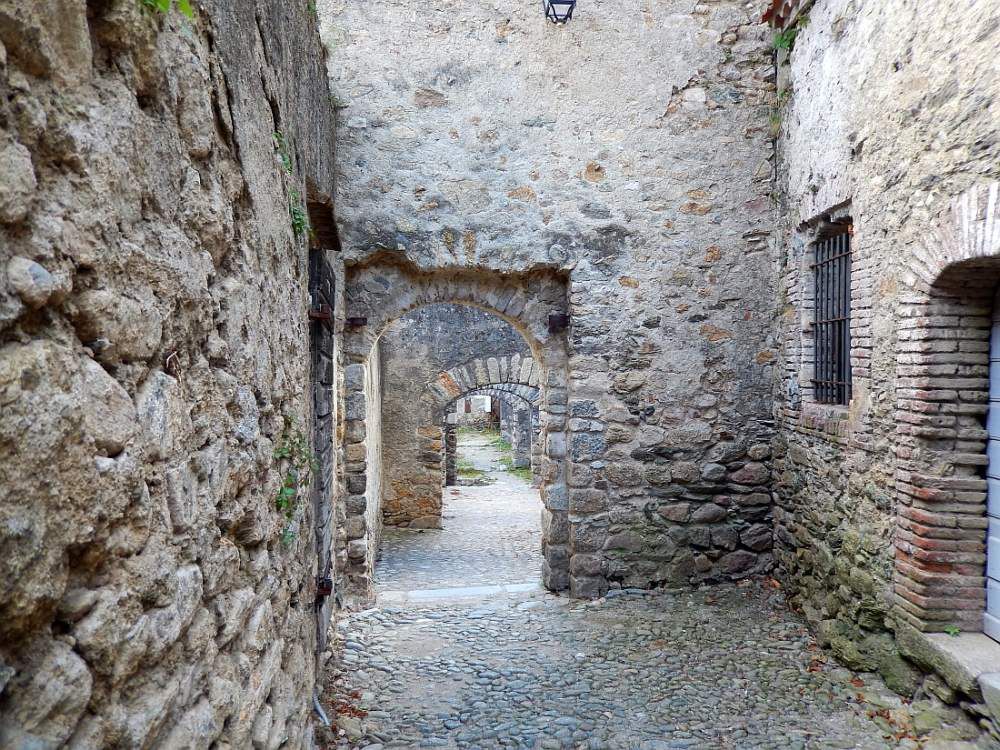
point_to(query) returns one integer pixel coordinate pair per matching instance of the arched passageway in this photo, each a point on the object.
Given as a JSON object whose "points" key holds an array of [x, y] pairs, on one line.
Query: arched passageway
{"points": [[383, 290], [947, 483], [488, 535], [522, 432], [418, 503], [511, 379]]}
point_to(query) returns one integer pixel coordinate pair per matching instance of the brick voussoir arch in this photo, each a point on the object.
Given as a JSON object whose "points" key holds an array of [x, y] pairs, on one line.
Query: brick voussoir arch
{"points": [[524, 300], [942, 395], [482, 372], [386, 287]]}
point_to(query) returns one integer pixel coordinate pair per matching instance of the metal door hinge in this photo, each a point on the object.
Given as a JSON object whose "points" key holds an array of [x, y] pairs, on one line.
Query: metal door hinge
{"points": [[322, 312]]}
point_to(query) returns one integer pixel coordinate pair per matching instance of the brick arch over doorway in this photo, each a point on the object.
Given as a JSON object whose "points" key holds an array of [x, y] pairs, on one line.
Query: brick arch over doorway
{"points": [[380, 292], [942, 396]]}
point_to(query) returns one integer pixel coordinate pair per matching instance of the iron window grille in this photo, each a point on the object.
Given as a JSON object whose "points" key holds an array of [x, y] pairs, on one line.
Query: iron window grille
{"points": [[832, 350]]}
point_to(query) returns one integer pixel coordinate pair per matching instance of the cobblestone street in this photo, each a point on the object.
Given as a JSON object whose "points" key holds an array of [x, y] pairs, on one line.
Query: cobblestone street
{"points": [[491, 534], [457, 654]]}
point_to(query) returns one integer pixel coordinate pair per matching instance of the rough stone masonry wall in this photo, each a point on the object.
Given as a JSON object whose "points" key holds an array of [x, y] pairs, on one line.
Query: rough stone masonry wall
{"points": [[364, 470], [153, 340], [629, 150], [885, 116], [515, 428], [415, 350]]}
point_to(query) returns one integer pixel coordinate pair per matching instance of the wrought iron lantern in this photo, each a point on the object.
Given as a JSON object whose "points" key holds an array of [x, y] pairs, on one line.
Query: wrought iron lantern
{"points": [[559, 11]]}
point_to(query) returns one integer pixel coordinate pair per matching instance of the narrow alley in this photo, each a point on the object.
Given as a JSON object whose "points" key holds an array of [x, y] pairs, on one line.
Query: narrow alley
{"points": [[490, 534], [465, 650], [565, 374]]}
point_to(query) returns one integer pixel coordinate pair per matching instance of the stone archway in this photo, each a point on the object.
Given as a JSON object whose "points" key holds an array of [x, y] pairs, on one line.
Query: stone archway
{"points": [[484, 371], [380, 292], [505, 378], [515, 395], [419, 504], [509, 392], [942, 393]]}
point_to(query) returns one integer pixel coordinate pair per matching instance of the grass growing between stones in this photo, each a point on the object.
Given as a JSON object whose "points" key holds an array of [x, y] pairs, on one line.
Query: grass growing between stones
{"points": [[495, 440], [521, 472], [471, 474], [466, 470], [467, 431], [507, 460]]}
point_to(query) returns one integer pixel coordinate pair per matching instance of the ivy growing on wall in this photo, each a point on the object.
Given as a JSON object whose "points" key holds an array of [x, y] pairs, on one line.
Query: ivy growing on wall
{"points": [[164, 6], [298, 462], [786, 39], [297, 210], [284, 153], [296, 206]]}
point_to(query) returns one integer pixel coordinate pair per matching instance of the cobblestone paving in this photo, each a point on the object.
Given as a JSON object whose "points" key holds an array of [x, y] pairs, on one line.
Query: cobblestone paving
{"points": [[718, 667], [491, 534]]}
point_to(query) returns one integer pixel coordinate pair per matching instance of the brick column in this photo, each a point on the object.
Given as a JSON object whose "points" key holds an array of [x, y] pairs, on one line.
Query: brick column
{"points": [[942, 393]]}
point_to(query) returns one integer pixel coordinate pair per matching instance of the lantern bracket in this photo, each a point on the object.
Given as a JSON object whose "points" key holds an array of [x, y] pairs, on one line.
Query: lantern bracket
{"points": [[559, 11]]}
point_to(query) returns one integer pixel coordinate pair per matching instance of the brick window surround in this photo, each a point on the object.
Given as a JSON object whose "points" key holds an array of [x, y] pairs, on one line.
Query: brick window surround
{"points": [[942, 394], [845, 424]]}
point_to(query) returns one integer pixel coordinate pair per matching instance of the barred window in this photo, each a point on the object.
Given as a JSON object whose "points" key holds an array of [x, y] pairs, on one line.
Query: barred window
{"points": [[832, 383]]}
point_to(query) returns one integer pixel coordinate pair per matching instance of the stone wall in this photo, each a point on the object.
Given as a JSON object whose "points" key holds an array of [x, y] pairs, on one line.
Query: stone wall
{"points": [[361, 523], [415, 350], [515, 429], [375, 456], [882, 119], [154, 343], [629, 152]]}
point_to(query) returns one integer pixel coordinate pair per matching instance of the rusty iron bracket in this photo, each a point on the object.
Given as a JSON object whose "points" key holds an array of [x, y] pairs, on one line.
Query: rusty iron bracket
{"points": [[324, 587], [558, 322], [323, 312]]}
